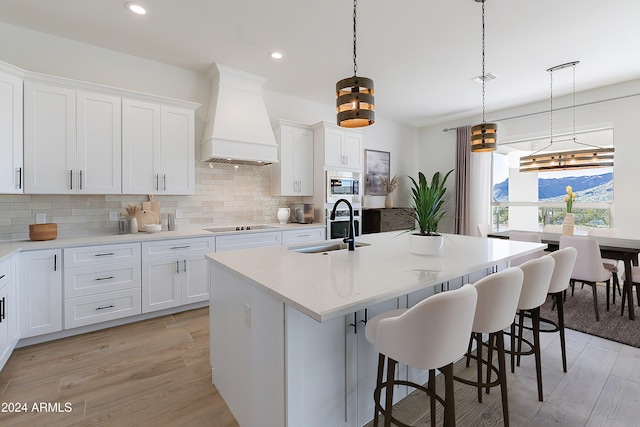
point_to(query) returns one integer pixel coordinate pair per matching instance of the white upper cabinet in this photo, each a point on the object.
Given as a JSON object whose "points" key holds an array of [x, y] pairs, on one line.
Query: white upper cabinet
{"points": [[158, 145], [99, 143], [342, 147], [72, 141], [11, 168], [293, 176]]}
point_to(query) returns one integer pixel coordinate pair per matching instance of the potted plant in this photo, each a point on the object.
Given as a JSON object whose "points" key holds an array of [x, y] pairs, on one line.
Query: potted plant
{"points": [[428, 203]]}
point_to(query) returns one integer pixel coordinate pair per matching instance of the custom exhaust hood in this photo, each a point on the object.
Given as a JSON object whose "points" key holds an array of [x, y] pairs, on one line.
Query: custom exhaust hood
{"points": [[237, 129]]}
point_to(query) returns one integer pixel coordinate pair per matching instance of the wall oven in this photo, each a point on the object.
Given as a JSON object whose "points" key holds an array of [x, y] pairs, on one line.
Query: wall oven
{"points": [[343, 185], [339, 228]]}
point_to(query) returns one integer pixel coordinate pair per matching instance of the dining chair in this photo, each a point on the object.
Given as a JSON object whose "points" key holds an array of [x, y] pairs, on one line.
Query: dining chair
{"points": [[609, 264], [525, 236], [635, 280], [484, 229], [535, 286], [589, 268], [415, 337], [552, 228]]}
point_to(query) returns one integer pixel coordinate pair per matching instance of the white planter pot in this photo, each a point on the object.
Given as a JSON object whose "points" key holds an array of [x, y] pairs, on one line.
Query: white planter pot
{"points": [[426, 245]]}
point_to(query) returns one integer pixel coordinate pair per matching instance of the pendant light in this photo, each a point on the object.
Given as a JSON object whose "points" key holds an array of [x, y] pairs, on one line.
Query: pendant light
{"points": [[483, 136], [544, 160], [355, 101]]}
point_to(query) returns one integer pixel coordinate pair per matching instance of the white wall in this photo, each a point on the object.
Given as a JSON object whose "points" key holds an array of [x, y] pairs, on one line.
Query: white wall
{"points": [[621, 114]]}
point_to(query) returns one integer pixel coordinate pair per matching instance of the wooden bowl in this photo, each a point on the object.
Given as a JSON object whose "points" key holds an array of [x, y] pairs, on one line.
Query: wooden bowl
{"points": [[43, 231]]}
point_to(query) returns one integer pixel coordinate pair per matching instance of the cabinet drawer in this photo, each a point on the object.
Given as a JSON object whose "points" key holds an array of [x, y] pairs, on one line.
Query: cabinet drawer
{"points": [[247, 240], [103, 278], [102, 254], [5, 272], [300, 236], [179, 247], [86, 310]]}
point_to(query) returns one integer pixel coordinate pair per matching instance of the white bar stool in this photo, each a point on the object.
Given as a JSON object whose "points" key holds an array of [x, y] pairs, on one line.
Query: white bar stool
{"points": [[565, 260], [498, 296], [537, 278], [430, 335]]}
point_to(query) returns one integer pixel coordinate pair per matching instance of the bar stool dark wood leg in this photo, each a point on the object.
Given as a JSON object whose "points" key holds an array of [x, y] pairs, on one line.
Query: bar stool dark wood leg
{"points": [[449, 405], [502, 375], [376, 392], [535, 318], [563, 346], [391, 370]]}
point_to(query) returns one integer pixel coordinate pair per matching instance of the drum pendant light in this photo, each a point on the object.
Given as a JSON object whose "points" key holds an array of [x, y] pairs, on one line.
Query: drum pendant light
{"points": [[355, 101], [483, 136]]}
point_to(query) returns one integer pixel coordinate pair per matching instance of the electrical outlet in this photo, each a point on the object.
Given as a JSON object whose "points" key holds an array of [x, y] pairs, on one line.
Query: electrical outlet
{"points": [[178, 213], [247, 315], [113, 216], [41, 218]]}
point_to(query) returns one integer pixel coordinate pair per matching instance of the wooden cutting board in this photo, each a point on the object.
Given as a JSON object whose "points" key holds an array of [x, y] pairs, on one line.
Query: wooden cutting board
{"points": [[152, 207], [146, 217]]}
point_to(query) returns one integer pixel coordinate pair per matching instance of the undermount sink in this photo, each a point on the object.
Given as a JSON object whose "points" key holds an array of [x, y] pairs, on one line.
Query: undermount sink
{"points": [[318, 248]]}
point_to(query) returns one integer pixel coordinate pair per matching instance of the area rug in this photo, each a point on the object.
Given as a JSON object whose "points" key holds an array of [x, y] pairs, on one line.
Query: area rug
{"points": [[579, 315]]}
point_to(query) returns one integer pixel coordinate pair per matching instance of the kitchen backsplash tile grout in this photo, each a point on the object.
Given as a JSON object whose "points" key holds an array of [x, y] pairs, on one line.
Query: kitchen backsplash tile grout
{"points": [[223, 196]]}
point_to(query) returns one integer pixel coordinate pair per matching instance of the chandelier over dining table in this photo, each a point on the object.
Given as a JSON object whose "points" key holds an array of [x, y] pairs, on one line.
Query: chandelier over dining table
{"points": [[584, 156]]}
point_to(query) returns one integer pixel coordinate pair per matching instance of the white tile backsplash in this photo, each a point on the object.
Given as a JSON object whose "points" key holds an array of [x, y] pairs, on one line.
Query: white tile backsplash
{"points": [[223, 196]]}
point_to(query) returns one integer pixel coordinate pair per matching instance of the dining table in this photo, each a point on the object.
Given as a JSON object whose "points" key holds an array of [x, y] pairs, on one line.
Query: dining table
{"points": [[626, 250]]}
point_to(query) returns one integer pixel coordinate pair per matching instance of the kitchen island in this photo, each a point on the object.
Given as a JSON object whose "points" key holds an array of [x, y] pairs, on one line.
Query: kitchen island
{"points": [[287, 328]]}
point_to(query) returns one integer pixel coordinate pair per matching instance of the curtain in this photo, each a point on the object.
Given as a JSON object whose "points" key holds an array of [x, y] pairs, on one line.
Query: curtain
{"points": [[473, 196], [462, 173]]}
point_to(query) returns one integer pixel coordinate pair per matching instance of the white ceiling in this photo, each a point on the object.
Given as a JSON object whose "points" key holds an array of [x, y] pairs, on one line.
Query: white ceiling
{"points": [[421, 54]]}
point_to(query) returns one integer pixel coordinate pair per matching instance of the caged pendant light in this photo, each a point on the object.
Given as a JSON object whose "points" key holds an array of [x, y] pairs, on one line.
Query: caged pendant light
{"points": [[355, 100], [544, 160], [483, 136]]}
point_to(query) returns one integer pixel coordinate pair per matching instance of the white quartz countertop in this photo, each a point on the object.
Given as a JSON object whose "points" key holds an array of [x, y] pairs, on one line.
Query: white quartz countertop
{"points": [[326, 286], [9, 248]]}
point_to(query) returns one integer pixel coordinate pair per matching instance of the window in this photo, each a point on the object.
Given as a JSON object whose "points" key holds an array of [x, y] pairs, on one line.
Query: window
{"points": [[530, 201]]}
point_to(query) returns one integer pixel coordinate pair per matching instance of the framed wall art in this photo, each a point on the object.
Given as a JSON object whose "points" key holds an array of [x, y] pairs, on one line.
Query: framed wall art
{"points": [[376, 165]]}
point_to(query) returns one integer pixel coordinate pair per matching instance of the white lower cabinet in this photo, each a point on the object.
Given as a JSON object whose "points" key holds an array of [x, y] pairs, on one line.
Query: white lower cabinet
{"points": [[90, 309], [174, 272], [8, 309], [101, 283], [40, 292]]}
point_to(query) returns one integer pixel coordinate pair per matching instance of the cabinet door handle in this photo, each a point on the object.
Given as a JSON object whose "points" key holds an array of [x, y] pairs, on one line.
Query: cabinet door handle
{"points": [[105, 254], [105, 307], [355, 323], [366, 316], [177, 267], [19, 178], [80, 180], [157, 184], [3, 310], [2, 277], [55, 262], [164, 182], [181, 247], [71, 179], [104, 278], [185, 265]]}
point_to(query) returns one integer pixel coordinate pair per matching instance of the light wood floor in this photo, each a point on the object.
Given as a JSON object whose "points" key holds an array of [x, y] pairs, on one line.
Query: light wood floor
{"points": [[151, 373], [157, 373]]}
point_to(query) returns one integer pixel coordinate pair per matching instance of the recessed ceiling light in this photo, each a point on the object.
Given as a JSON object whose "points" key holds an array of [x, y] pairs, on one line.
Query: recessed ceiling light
{"points": [[276, 55], [136, 8]]}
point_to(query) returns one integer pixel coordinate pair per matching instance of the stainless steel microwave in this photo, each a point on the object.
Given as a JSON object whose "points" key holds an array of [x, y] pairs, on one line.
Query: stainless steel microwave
{"points": [[343, 185]]}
